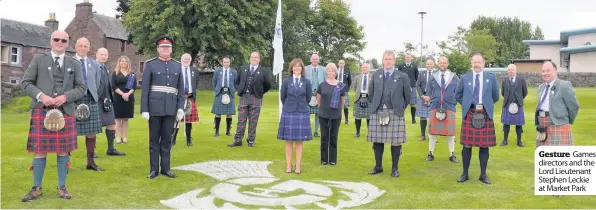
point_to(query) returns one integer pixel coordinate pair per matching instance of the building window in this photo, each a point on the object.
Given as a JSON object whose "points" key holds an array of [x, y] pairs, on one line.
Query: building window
{"points": [[142, 66], [14, 80], [122, 45], [15, 55], [4, 54]]}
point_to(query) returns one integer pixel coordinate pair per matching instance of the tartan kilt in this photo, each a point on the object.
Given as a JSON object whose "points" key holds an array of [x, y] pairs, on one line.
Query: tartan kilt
{"points": [[394, 132], [314, 110], [558, 135], [194, 114], [346, 101], [92, 125], [107, 118], [414, 96], [42, 140], [421, 109], [360, 112], [219, 108], [478, 137], [513, 119], [444, 127], [294, 127]]}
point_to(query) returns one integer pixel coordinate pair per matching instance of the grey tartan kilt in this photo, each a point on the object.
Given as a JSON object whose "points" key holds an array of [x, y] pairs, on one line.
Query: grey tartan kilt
{"points": [[107, 118], [91, 125], [347, 100], [314, 110], [219, 108], [394, 132], [360, 112], [421, 109]]}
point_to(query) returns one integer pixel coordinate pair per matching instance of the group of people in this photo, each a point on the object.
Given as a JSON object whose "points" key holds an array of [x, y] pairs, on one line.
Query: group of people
{"points": [[80, 97]]}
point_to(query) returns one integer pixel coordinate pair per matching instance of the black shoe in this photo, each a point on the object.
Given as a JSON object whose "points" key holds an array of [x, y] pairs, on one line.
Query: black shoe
{"points": [[228, 134], [332, 163], [463, 178], [189, 142], [453, 159], [169, 174], [394, 173], [430, 157], [95, 155], [251, 144], [484, 179], [520, 144], [94, 167], [152, 174], [347, 122], [504, 143], [216, 134], [413, 121], [174, 142], [235, 144], [375, 171], [115, 152], [357, 135], [323, 163], [316, 134]]}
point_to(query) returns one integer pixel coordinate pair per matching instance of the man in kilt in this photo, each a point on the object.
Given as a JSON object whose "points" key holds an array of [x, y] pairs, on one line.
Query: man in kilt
{"points": [[477, 93], [441, 95], [361, 103], [105, 102], [514, 90], [224, 85], [344, 76], [191, 83], [557, 109], [316, 74], [88, 124], [390, 94], [411, 69], [162, 103], [253, 82], [54, 81], [423, 106]]}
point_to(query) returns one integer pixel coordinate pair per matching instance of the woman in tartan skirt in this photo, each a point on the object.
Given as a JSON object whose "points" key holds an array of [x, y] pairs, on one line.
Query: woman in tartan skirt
{"points": [[361, 103], [330, 98], [294, 125]]}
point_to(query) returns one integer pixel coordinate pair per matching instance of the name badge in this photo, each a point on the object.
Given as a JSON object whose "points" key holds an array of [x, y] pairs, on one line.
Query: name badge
{"points": [[225, 89], [479, 106], [363, 95]]}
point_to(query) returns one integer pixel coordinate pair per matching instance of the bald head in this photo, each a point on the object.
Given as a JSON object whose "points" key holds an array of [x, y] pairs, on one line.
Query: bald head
{"points": [[82, 47], [102, 55], [59, 42]]}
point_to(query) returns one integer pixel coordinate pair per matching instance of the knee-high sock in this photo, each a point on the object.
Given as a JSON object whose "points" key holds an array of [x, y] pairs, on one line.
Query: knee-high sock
{"points": [[432, 142], [188, 131], [395, 153], [110, 135], [451, 144], [346, 112], [379, 148], [483, 157], [506, 131], [423, 126], [90, 144], [316, 123], [367, 123], [228, 124], [62, 161], [518, 130], [466, 155], [413, 112], [39, 166], [358, 122], [217, 121]]}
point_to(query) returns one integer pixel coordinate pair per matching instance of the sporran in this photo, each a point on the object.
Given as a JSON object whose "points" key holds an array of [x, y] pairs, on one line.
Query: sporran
{"points": [[54, 120], [107, 105], [541, 133], [384, 116], [513, 108], [82, 112], [225, 98], [478, 120], [440, 114], [187, 107], [313, 100]]}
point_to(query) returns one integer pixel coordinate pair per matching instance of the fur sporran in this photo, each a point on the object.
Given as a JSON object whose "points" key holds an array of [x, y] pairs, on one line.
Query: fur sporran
{"points": [[107, 105], [82, 112], [440, 114], [187, 107], [313, 100], [384, 117], [225, 97], [54, 120], [541, 133], [513, 108], [478, 120]]}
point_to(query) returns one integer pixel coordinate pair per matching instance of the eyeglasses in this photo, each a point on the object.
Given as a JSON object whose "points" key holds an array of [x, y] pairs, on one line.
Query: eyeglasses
{"points": [[58, 40]]}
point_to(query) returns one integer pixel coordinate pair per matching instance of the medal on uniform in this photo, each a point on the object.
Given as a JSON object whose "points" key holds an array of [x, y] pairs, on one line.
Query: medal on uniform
{"points": [[513, 108]]}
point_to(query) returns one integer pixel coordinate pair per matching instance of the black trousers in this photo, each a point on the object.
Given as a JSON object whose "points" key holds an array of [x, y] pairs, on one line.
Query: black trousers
{"points": [[329, 131], [160, 143]]}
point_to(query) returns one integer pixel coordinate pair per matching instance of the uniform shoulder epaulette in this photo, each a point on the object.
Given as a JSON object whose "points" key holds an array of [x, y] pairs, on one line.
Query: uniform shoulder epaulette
{"points": [[151, 59]]}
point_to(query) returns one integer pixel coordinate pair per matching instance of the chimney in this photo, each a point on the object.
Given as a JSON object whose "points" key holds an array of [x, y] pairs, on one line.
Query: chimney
{"points": [[52, 22], [83, 14]]}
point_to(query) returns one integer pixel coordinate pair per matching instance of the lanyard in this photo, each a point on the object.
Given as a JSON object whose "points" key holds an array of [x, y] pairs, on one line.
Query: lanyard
{"points": [[443, 91]]}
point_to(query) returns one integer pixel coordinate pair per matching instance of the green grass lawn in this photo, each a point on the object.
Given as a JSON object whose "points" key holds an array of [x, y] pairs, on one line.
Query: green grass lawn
{"points": [[421, 185]]}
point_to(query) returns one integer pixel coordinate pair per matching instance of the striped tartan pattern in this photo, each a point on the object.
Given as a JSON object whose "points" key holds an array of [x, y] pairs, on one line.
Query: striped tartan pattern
{"points": [[421, 109], [314, 110], [394, 132], [194, 114], [219, 108], [513, 119], [92, 125], [294, 127], [347, 100], [360, 112], [478, 137], [42, 140], [414, 96], [249, 109], [444, 127], [558, 135]]}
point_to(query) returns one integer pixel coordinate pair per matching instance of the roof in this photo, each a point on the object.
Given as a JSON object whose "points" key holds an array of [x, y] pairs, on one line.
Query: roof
{"points": [[565, 34], [541, 42], [529, 60], [579, 49], [111, 27], [26, 34]]}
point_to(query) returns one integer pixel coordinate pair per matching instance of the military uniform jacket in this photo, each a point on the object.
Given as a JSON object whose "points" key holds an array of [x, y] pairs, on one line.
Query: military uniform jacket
{"points": [[399, 84], [162, 73], [217, 81], [39, 78], [517, 90]]}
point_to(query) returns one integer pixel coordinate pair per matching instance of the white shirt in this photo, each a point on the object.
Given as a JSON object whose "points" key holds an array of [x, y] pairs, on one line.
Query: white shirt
{"points": [[364, 78], [294, 77], [481, 85], [340, 75], [60, 60], [428, 73], [187, 77], [512, 79], [79, 59], [255, 67], [226, 76], [546, 103]]}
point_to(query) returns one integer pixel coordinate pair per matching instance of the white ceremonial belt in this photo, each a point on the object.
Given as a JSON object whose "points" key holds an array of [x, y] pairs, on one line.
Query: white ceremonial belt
{"points": [[164, 89]]}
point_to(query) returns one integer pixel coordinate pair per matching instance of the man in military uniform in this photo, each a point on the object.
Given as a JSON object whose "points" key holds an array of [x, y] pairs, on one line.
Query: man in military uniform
{"points": [[253, 82], [90, 125], [316, 74], [191, 83], [344, 76], [224, 85], [514, 91], [105, 102], [411, 69], [162, 101], [54, 82]]}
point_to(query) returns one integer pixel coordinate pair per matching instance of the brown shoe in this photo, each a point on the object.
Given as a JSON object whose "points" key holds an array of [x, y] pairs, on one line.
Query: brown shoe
{"points": [[63, 192], [33, 194], [422, 138]]}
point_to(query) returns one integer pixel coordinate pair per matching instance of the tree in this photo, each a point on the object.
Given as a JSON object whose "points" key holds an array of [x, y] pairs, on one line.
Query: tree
{"points": [[538, 34], [374, 63], [459, 62], [480, 41], [123, 7]]}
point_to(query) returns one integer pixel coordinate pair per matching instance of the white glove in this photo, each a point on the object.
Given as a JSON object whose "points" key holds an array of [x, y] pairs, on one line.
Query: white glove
{"points": [[145, 115], [179, 115]]}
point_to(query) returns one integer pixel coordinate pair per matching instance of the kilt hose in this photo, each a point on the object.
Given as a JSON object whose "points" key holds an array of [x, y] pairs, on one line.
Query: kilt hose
{"points": [[91, 125], [421, 109], [249, 109], [360, 112], [557, 135], [314, 110], [513, 119], [219, 108], [477, 137], [394, 132], [444, 127], [41, 140], [294, 127], [414, 96], [347, 101], [194, 114], [107, 118]]}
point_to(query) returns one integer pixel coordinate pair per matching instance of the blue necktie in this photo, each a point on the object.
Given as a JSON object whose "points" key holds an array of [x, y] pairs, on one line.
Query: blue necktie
{"points": [[477, 90], [296, 83], [365, 82], [252, 69], [443, 81], [225, 78], [387, 74], [543, 96], [84, 70]]}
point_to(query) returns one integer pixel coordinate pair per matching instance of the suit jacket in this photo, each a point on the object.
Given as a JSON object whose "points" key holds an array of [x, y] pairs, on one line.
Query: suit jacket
{"points": [[400, 91], [261, 81], [347, 79], [105, 87], [434, 90], [421, 83], [563, 105], [39, 78], [490, 92], [411, 71], [194, 80], [93, 77], [216, 81], [520, 90], [317, 79], [358, 84], [295, 98]]}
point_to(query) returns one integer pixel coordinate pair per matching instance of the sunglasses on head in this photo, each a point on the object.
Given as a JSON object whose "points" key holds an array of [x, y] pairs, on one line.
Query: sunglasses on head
{"points": [[58, 40]]}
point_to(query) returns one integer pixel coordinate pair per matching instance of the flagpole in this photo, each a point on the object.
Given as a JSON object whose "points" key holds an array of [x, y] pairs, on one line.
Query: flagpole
{"points": [[278, 58]]}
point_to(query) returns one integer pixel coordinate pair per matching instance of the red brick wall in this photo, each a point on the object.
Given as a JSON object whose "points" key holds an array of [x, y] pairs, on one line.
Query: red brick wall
{"points": [[114, 49]]}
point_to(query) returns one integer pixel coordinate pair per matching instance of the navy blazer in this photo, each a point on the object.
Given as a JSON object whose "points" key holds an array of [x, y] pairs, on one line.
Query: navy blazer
{"points": [[216, 81], [434, 90], [295, 98], [490, 92]]}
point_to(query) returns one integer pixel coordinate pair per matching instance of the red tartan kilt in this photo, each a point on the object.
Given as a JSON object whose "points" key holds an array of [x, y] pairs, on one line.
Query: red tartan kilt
{"points": [[477, 137], [445, 127], [194, 114], [42, 140]]}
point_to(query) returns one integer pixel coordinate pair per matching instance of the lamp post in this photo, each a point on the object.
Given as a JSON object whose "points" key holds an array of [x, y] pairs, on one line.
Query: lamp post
{"points": [[421, 32]]}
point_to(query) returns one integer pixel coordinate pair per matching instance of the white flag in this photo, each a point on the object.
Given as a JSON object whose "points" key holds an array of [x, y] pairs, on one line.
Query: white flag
{"points": [[278, 56]]}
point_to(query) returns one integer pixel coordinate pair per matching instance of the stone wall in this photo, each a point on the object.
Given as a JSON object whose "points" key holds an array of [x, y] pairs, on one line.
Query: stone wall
{"points": [[577, 79]]}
